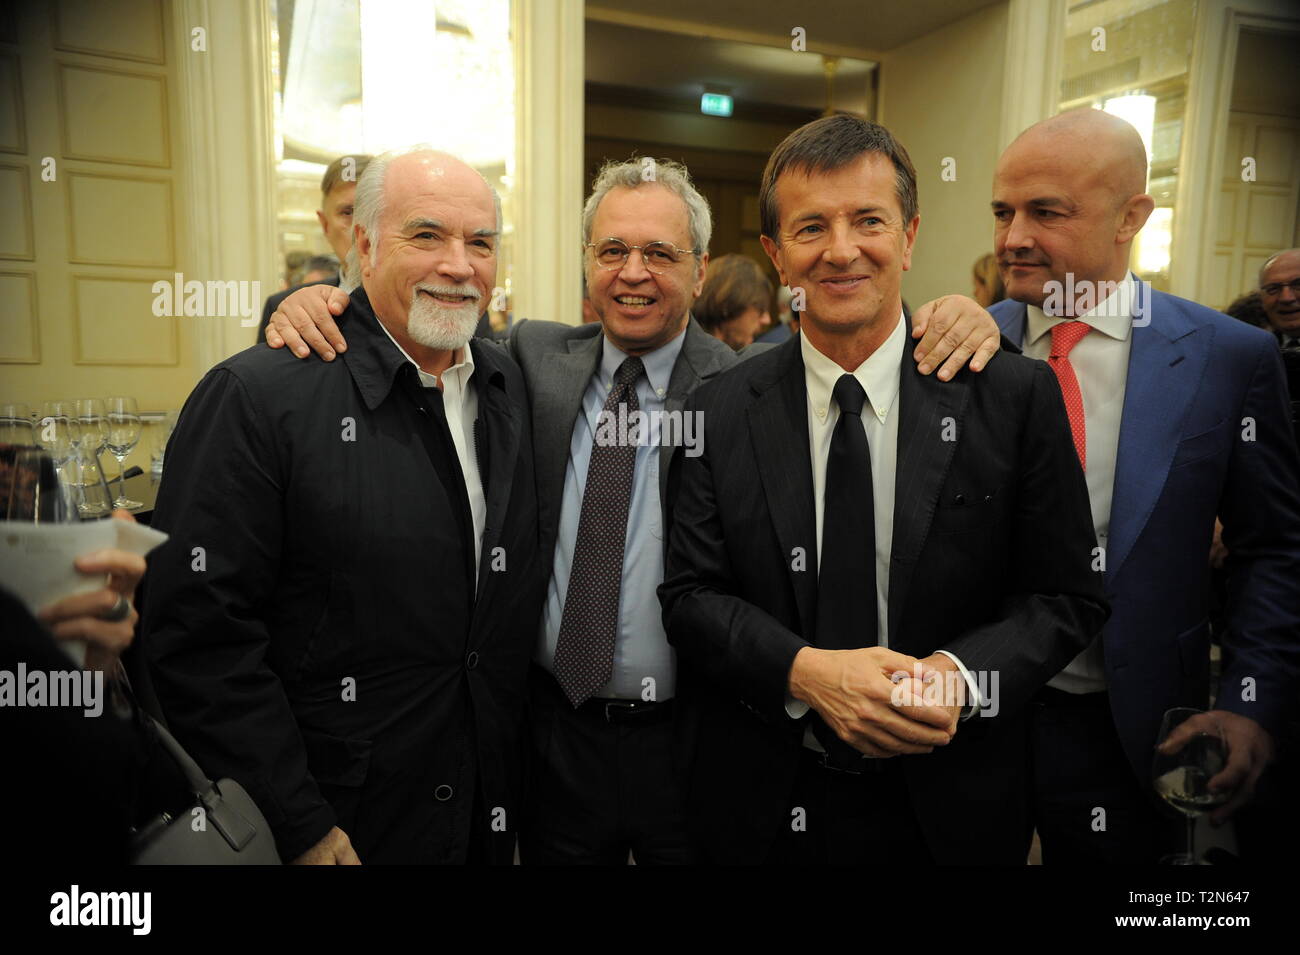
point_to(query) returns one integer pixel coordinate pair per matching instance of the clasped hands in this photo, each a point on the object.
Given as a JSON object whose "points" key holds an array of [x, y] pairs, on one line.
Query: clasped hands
{"points": [[880, 702]]}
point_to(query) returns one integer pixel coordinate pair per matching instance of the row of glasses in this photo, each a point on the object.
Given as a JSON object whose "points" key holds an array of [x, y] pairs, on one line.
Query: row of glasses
{"points": [[74, 433]]}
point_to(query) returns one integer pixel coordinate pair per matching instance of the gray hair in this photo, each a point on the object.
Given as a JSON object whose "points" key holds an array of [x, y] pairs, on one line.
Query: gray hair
{"points": [[637, 172], [368, 204]]}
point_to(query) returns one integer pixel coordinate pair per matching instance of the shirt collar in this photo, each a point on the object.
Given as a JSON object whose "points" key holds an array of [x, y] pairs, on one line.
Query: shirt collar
{"points": [[462, 363], [1112, 316], [878, 375], [658, 363]]}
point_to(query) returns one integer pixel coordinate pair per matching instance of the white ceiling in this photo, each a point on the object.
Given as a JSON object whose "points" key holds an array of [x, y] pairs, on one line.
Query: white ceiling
{"points": [[681, 65], [875, 25]]}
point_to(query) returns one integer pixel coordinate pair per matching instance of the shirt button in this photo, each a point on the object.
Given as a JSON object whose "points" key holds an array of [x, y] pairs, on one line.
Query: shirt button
{"points": [[471, 661], [659, 392], [821, 412], [443, 793], [959, 499]]}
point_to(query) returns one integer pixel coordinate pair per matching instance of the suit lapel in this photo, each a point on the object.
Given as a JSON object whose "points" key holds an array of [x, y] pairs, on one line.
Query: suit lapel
{"points": [[1011, 321], [563, 378], [695, 363], [1166, 361], [923, 460], [778, 427]]}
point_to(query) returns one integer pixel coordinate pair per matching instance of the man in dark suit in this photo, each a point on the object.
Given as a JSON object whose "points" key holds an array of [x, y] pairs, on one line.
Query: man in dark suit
{"points": [[862, 555], [604, 683], [1179, 415], [338, 189], [343, 617]]}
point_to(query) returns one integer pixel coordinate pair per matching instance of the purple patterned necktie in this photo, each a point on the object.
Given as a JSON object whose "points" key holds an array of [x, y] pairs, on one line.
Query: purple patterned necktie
{"points": [[584, 651]]}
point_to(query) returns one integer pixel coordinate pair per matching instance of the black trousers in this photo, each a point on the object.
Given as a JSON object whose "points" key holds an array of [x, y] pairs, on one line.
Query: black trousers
{"points": [[601, 784], [1089, 807], [838, 818]]}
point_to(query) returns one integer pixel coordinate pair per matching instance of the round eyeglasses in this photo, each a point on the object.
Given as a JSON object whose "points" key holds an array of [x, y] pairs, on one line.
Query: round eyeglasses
{"points": [[658, 257]]}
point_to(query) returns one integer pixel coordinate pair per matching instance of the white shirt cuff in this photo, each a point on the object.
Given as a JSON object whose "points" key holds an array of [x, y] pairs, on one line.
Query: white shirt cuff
{"points": [[972, 688], [797, 709]]}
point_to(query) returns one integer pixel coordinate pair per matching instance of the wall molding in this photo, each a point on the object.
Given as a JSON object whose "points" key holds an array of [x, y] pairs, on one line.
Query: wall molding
{"points": [[1205, 130], [57, 41], [24, 174], [78, 355], [32, 318], [63, 67]]}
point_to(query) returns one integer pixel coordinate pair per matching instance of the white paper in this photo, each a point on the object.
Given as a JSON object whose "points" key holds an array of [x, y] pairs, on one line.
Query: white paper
{"points": [[36, 560]]}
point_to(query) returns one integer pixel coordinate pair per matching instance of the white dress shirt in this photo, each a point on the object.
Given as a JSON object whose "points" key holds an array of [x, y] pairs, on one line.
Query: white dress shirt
{"points": [[879, 377], [1100, 362], [460, 401]]}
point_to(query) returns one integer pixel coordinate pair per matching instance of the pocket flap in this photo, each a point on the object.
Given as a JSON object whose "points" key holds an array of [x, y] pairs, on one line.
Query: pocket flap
{"points": [[336, 761]]}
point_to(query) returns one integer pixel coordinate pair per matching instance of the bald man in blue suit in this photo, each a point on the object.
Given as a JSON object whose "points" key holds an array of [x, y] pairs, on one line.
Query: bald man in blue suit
{"points": [[1179, 416]]}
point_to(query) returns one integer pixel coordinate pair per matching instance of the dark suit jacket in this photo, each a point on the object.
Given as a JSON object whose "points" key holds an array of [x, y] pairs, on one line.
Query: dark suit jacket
{"points": [[329, 651], [988, 562], [1196, 381]]}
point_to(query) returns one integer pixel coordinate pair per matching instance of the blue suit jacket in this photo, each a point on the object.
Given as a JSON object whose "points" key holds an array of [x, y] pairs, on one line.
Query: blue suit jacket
{"points": [[1200, 387]]}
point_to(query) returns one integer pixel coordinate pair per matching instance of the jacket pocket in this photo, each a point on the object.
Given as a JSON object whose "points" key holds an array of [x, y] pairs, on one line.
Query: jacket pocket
{"points": [[336, 761], [1198, 446], [965, 511]]}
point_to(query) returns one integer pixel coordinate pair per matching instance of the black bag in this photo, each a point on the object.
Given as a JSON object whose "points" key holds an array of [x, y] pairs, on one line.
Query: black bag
{"points": [[233, 830]]}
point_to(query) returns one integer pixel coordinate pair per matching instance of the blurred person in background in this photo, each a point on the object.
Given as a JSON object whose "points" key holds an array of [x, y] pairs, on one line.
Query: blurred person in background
{"points": [[988, 287], [734, 304], [338, 187], [295, 266], [1279, 295], [321, 268], [1248, 308]]}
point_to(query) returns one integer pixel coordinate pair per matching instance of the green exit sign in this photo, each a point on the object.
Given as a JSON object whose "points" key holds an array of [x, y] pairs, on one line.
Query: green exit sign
{"points": [[715, 104]]}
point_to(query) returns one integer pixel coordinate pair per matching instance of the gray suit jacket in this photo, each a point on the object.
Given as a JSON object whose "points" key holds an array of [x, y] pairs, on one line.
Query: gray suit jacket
{"points": [[558, 362]]}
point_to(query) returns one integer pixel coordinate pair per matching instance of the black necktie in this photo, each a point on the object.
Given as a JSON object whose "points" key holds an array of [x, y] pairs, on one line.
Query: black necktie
{"points": [[846, 576], [584, 651]]}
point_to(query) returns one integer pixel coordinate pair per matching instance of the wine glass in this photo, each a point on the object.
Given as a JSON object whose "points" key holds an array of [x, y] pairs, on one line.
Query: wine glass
{"points": [[16, 424], [30, 488], [1181, 776], [160, 434], [93, 500], [124, 427], [58, 431]]}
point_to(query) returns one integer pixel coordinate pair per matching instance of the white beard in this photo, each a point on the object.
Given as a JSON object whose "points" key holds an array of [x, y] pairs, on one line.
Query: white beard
{"points": [[438, 326]]}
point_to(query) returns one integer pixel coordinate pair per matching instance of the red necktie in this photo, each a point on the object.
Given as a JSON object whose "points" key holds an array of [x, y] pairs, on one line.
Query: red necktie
{"points": [[1065, 335]]}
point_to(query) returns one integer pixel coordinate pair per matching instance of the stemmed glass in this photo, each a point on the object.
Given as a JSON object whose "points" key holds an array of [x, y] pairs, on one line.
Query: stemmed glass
{"points": [[124, 428], [30, 487], [93, 421], [58, 432], [1181, 776]]}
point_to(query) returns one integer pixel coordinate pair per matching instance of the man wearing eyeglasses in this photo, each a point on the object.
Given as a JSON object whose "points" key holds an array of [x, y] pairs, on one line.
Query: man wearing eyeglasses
{"points": [[608, 415], [1279, 294]]}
